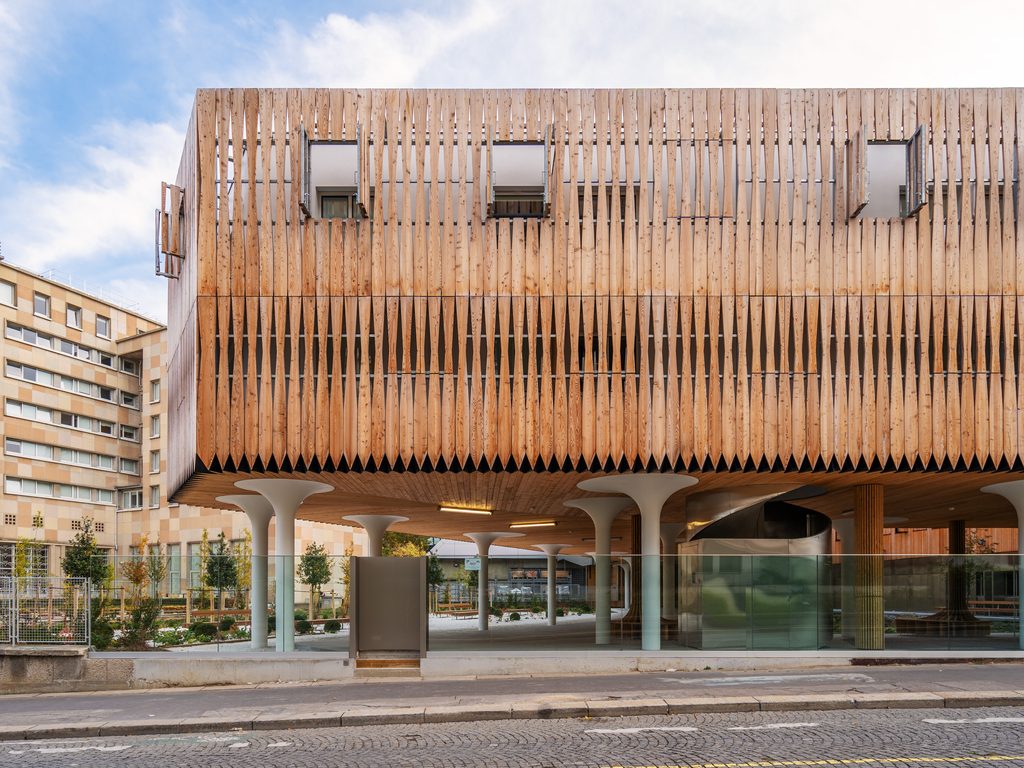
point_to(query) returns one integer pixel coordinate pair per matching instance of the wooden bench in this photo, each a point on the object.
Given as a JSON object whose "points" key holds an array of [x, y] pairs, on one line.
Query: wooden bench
{"points": [[456, 610], [994, 607]]}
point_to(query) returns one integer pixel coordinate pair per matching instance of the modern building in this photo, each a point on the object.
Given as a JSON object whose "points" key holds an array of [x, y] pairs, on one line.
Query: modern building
{"points": [[687, 303], [84, 433]]}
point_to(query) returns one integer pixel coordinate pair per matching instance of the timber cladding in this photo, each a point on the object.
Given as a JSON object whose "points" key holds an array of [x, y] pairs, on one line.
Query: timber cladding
{"points": [[700, 295]]}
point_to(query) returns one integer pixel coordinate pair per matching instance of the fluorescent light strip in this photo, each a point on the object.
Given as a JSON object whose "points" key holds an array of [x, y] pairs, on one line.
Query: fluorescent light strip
{"points": [[538, 524], [464, 510]]}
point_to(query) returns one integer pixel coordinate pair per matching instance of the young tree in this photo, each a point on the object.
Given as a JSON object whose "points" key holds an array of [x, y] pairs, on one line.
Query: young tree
{"points": [[135, 571], [346, 577], [83, 559], [243, 566], [156, 565], [314, 571], [221, 573], [395, 544], [204, 563]]}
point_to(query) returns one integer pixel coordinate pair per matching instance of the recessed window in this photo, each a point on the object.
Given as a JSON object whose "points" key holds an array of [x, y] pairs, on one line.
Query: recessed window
{"points": [[154, 496], [331, 179], [154, 391], [154, 462], [131, 498], [129, 433], [103, 326], [887, 179], [8, 294], [129, 400], [130, 466], [41, 305], [517, 179], [154, 426], [130, 366], [74, 316]]}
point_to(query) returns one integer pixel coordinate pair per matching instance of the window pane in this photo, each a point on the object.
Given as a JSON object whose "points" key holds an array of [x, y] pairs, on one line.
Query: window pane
{"points": [[7, 293], [41, 304], [103, 326], [74, 316]]}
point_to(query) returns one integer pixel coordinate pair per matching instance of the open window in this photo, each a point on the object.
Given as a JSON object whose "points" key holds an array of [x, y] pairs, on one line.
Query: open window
{"points": [[886, 179], [170, 218], [518, 178], [335, 181]]}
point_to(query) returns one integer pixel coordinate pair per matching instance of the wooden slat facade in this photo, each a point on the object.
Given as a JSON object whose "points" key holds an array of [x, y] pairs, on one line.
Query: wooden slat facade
{"points": [[742, 323]]}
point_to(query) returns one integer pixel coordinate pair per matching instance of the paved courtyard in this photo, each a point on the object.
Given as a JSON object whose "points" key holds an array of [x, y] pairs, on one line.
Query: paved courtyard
{"points": [[870, 739]]}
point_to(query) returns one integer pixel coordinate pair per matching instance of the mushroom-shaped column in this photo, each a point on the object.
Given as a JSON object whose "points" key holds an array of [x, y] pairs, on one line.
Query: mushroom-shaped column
{"points": [[1013, 491], [259, 512], [375, 526], [552, 550], [603, 512], [650, 491], [483, 547], [285, 496], [669, 533]]}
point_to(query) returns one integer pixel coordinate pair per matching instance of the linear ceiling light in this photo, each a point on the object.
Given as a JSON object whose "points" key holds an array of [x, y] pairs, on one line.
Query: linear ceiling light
{"points": [[464, 510], [537, 524]]}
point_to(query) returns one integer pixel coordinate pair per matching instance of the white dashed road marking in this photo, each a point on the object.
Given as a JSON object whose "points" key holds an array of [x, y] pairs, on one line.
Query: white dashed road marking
{"points": [[628, 731], [769, 679], [238, 745], [58, 750], [280, 744], [772, 726]]}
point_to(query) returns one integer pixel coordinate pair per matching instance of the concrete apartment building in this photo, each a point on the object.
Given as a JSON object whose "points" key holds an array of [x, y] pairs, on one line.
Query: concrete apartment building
{"points": [[84, 433]]}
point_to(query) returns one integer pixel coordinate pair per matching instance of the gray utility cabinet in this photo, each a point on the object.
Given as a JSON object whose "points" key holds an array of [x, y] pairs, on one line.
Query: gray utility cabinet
{"points": [[389, 607]]}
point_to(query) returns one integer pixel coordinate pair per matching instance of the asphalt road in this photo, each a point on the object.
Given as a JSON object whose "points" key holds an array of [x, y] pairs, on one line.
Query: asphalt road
{"points": [[867, 738], [252, 700]]}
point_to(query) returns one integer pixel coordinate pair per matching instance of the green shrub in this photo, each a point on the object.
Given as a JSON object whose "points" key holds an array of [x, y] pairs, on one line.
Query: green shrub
{"points": [[332, 626], [204, 629], [167, 637], [226, 624], [102, 634], [303, 627], [559, 612], [301, 615], [140, 626], [494, 611], [514, 616], [271, 623], [325, 613]]}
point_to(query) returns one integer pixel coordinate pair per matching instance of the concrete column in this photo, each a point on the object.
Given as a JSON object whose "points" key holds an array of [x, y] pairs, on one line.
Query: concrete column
{"points": [[259, 512], [847, 570], [603, 512], [869, 524], [669, 568], [483, 547], [649, 491], [552, 550], [1013, 491], [285, 496], [375, 526]]}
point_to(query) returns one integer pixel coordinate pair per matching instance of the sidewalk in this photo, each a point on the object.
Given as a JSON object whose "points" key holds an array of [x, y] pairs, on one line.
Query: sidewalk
{"points": [[379, 702]]}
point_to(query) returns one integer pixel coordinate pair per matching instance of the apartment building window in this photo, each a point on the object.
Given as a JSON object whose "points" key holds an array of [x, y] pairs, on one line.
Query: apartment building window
{"points": [[517, 178], [154, 426], [154, 462], [195, 564], [8, 294], [154, 391], [27, 449], [129, 400], [154, 496], [129, 433], [130, 466], [41, 305], [65, 347], [74, 316], [57, 381], [10, 518], [173, 569], [37, 560], [103, 326], [129, 366], [131, 498], [85, 423], [20, 486]]}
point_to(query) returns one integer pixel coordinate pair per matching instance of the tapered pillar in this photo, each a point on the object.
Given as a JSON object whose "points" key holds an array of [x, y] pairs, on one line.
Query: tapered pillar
{"points": [[847, 577], [869, 525], [375, 526], [259, 512], [603, 512], [1013, 491], [483, 547], [552, 550], [669, 599], [649, 491], [285, 496]]}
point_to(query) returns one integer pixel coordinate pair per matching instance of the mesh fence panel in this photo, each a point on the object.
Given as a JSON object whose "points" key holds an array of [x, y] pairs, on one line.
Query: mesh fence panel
{"points": [[51, 610], [6, 609]]}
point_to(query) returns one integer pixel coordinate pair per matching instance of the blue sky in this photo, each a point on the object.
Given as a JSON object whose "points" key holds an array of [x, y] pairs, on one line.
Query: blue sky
{"points": [[95, 94]]}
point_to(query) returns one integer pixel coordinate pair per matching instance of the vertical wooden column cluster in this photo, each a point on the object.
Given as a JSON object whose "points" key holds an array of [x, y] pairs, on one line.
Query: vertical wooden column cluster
{"points": [[869, 595], [742, 322]]}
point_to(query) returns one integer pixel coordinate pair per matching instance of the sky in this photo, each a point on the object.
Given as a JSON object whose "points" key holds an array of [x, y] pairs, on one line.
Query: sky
{"points": [[95, 94]]}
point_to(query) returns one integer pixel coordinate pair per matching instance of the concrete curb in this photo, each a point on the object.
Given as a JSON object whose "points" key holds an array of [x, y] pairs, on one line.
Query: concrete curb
{"points": [[537, 709]]}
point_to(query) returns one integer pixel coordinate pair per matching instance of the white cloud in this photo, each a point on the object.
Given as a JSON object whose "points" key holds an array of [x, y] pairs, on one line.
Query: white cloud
{"points": [[100, 211], [14, 46]]}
